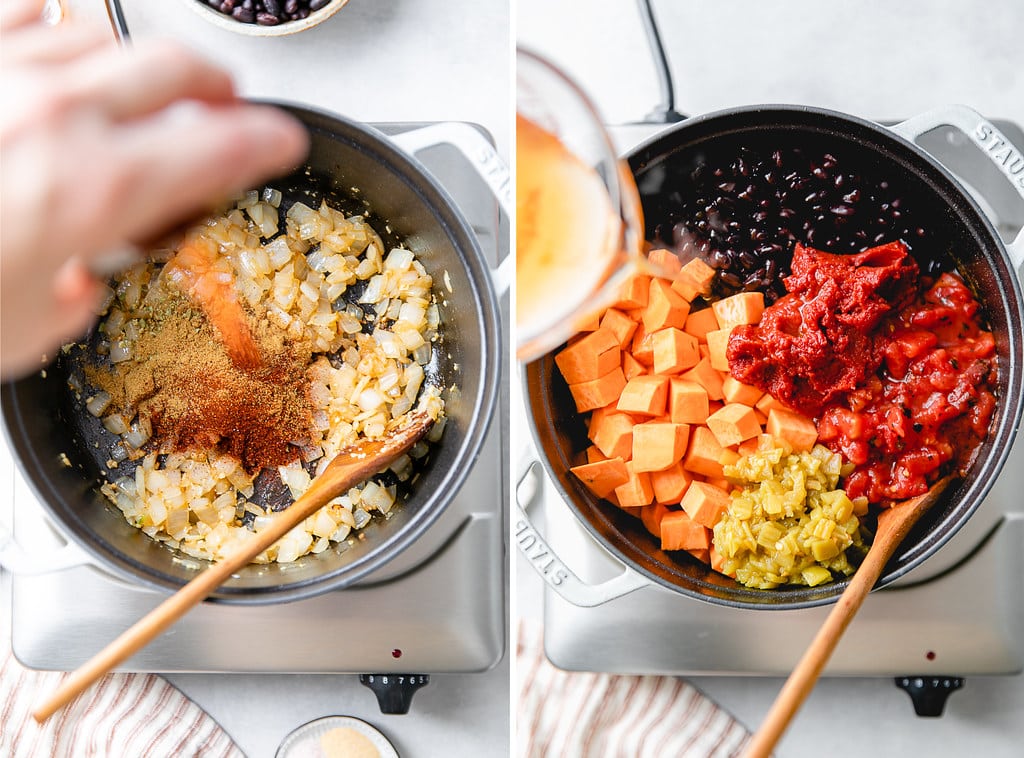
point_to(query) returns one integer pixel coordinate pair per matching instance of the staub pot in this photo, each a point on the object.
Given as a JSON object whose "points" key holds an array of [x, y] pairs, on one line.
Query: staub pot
{"points": [[47, 428], [974, 247]]}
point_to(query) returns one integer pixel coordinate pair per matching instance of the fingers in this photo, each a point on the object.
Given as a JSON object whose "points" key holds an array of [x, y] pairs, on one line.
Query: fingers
{"points": [[43, 45], [15, 13], [128, 84], [183, 161]]}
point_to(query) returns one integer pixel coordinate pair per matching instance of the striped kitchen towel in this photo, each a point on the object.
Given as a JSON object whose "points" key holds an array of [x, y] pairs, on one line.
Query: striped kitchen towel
{"points": [[583, 715], [137, 715]]}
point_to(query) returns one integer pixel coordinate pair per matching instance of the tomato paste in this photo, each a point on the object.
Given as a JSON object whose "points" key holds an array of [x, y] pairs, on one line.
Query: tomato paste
{"points": [[895, 369], [822, 339]]}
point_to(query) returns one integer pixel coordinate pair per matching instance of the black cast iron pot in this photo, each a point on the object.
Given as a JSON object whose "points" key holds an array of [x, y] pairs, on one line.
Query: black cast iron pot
{"points": [[952, 215], [43, 421]]}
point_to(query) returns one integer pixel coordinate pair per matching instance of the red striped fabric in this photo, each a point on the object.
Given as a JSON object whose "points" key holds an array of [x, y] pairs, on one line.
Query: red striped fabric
{"points": [[585, 715], [138, 715]]}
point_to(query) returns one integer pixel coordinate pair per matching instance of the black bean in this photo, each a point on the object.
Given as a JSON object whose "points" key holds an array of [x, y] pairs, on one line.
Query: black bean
{"points": [[731, 279], [266, 12], [842, 210]]}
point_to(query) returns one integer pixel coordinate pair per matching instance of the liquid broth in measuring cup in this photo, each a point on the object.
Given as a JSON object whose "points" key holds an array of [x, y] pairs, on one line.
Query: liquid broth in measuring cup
{"points": [[568, 234]]}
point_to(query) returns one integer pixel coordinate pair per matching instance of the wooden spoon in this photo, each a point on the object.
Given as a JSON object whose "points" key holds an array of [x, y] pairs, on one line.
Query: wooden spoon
{"points": [[894, 524], [192, 270], [350, 467]]}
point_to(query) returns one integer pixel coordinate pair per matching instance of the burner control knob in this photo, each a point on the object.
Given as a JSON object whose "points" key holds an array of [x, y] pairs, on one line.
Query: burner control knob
{"points": [[929, 693], [394, 691]]}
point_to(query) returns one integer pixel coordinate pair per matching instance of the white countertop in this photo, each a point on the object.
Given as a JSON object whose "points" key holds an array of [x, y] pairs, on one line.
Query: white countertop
{"points": [[876, 59], [401, 61]]}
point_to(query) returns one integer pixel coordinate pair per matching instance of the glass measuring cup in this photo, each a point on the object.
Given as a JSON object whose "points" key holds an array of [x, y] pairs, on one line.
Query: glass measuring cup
{"points": [[579, 226]]}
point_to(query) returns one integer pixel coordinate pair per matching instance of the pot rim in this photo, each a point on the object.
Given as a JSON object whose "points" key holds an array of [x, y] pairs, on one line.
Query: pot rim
{"points": [[1004, 427], [449, 216]]}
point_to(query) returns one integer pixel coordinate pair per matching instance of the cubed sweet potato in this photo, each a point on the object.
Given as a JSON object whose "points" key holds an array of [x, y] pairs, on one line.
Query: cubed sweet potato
{"points": [[652, 515], [632, 367], [702, 554], [674, 351], [741, 308], [657, 445], [589, 358], [602, 477], [728, 457], [670, 485], [599, 392], [707, 377], [594, 454], [619, 324], [735, 391], [748, 447], [734, 423], [664, 307], [680, 532], [799, 431], [644, 395], [635, 492], [718, 344], [666, 262], [704, 503], [699, 323], [687, 402], [642, 348], [703, 452], [768, 402], [634, 292], [613, 435], [694, 279]]}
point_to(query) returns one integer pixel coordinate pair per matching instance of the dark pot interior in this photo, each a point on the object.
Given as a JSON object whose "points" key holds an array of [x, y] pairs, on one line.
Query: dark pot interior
{"points": [[969, 240], [44, 422]]}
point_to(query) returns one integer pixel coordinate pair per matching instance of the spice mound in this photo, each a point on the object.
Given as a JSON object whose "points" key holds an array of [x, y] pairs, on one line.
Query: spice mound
{"points": [[339, 335]]}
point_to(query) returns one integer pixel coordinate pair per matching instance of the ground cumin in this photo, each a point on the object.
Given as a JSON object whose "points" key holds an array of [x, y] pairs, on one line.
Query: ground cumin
{"points": [[182, 380]]}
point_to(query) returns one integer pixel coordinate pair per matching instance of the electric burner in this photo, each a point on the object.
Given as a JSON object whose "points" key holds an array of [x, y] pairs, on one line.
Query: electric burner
{"points": [[437, 608]]}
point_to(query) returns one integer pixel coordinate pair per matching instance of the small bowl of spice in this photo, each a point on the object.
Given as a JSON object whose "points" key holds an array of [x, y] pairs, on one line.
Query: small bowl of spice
{"points": [[266, 18]]}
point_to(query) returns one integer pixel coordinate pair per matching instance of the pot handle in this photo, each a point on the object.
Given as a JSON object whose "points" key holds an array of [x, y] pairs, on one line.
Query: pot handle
{"points": [[482, 156], [556, 574], [1006, 157], [15, 559]]}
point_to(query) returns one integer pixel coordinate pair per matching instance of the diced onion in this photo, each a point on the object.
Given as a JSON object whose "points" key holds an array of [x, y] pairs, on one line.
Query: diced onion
{"points": [[98, 403], [115, 423], [120, 351]]}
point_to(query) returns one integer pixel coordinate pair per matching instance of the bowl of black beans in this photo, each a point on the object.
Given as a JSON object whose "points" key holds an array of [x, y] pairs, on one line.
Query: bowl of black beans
{"points": [[266, 18]]}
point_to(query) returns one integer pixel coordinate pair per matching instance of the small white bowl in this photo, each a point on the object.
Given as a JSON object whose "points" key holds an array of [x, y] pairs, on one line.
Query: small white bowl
{"points": [[304, 742], [255, 30]]}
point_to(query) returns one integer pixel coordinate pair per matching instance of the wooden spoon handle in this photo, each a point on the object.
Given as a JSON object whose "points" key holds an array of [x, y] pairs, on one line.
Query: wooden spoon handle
{"points": [[893, 526], [804, 676], [170, 610], [347, 470]]}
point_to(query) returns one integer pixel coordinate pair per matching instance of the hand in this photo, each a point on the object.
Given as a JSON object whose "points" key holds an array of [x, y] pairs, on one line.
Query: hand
{"points": [[101, 148]]}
